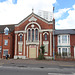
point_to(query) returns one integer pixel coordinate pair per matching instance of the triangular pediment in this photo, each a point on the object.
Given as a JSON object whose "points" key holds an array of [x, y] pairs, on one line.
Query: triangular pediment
{"points": [[31, 17]]}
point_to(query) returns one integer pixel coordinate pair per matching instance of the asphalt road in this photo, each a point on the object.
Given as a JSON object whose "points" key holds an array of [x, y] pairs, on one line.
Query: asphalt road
{"points": [[36, 71]]}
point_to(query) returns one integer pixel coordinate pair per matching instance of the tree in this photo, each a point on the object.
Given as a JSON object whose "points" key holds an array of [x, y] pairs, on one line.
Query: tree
{"points": [[42, 51]]}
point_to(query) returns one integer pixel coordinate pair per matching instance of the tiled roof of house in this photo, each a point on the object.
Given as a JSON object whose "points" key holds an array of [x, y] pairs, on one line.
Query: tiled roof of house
{"points": [[65, 31], [11, 28]]}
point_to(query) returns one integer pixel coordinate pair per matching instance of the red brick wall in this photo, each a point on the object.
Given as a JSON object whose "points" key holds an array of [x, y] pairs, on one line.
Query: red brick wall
{"points": [[72, 43], [10, 46]]}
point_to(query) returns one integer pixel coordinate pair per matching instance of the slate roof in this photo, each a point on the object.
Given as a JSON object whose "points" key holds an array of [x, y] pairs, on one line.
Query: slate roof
{"points": [[65, 31], [11, 28]]}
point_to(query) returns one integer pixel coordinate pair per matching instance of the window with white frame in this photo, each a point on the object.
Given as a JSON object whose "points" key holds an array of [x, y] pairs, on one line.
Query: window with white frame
{"points": [[45, 36], [6, 42], [32, 34], [6, 30], [59, 39], [5, 52], [64, 51], [29, 35], [20, 37], [36, 34], [63, 39]]}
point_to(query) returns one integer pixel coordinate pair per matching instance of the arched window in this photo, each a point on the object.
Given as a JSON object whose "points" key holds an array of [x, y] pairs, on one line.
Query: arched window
{"points": [[29, 34], [45, 36], [20, 37], [36, 34], [6, 30], [32, 34]]}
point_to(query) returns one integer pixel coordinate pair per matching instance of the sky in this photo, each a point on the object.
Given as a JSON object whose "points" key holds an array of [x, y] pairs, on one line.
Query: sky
{"points": [[14, 11]]}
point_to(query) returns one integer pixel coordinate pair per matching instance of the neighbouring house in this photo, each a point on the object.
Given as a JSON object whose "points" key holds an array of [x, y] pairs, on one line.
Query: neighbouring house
{"points": [[7, 41], [65, 43]]}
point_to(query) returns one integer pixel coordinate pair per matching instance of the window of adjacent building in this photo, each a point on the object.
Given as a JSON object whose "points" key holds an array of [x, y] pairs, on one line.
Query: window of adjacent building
{"points": [[64, 38], [32, 34], [20, 37], [59, 51], [36, 34], [6, 30], [59, 39], [45, 36], [29, 34], [65, 51], [5, 52], [6, 42]]}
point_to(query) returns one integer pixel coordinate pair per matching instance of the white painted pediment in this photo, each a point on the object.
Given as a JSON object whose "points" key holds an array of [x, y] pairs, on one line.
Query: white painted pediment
{"points": [[32, 19]]}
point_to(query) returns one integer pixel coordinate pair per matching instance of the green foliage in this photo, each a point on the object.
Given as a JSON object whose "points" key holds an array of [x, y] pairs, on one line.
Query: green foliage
{"points": [[41, 51], [41, 57]]}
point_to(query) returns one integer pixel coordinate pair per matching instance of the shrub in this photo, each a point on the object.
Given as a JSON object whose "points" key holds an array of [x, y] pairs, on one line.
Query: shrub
{"points": [[41, 57]]}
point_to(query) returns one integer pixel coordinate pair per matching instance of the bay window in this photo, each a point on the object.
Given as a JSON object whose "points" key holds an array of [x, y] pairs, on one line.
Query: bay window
{"points": [[63, 39]]}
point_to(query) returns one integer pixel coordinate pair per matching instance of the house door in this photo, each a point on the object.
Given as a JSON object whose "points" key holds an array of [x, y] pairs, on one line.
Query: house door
{"points": [[74, 52], [32, 51]]}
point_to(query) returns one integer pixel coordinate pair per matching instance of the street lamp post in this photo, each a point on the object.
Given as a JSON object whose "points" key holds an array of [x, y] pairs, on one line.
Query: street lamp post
{"points": [[53, 37]]}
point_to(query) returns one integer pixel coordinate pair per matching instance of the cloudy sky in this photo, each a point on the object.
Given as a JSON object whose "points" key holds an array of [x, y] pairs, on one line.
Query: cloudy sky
{"points": [[13, 11]]}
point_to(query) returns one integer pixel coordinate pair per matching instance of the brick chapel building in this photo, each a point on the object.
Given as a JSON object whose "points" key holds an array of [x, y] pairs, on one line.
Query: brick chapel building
{"points": [[24, 39]]}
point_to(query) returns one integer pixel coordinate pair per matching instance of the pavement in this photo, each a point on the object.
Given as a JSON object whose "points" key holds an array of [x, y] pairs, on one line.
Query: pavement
{"points": [[21, 63]]}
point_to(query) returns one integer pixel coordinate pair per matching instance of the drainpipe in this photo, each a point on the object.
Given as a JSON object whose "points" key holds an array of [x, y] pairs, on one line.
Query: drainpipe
{"points": [[2, 45]]}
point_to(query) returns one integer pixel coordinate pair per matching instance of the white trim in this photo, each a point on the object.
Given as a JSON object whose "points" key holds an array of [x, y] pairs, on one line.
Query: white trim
{"points": [[45, 33], [45, 42], [24, 44], [34, 42], [44, 30], [40, 39], [50, 44], [32, 23], [20, 42], [48, 22], [45, 54], [16, 44], [21, 57], [20, 32], [32, 19], [27, 51], [37, 51]]}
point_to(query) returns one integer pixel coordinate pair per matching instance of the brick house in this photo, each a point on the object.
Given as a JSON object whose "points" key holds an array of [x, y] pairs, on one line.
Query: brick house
{"points": [[65, 43], [6, 40]]}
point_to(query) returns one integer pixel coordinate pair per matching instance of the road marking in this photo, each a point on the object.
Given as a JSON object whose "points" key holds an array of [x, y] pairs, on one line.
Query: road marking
{"points": [[67, 65], [58, 74]]}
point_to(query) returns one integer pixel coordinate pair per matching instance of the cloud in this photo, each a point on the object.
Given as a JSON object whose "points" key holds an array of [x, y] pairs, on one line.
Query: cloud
{"points": [[13, 13], [60, 13], [68, 22]]}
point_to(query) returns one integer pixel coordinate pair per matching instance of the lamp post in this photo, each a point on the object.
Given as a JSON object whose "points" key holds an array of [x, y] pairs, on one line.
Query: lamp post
{"points": [[53, 37]]}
